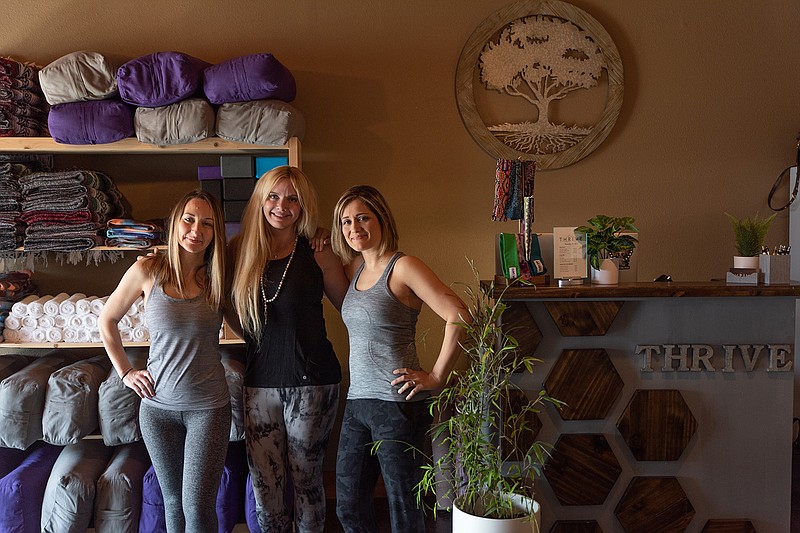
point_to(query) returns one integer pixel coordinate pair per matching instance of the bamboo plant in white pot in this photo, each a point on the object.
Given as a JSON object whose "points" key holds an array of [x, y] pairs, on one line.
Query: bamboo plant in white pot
{"points": [[488, 491]]}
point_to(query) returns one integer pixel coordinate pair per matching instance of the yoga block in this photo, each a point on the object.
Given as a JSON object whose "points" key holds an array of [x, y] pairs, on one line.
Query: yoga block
{"points": [[266, 163], [209, 173], [213, 187], [237, 188], [233, 210], [237, 166]]}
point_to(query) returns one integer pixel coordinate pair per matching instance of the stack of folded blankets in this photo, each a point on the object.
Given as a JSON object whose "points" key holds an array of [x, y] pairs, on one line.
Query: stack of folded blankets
{"points": [[23, 109], [70, 319], [166, 98], [65, 211], [129, 233], [14, 286], [12, 167]]}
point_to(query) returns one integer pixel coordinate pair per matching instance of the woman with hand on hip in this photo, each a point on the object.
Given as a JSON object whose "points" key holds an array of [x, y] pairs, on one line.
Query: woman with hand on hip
{"points": [[385, 401], [185, 413], [292, 375]]}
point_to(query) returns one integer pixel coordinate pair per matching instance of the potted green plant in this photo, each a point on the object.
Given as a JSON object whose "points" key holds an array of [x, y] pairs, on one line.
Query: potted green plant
{"points": [[749, 234], [481, 482], [606, 239]]}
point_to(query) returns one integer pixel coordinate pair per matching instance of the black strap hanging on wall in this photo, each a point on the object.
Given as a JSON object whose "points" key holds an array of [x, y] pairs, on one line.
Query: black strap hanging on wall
{"points": [[785, 172]]}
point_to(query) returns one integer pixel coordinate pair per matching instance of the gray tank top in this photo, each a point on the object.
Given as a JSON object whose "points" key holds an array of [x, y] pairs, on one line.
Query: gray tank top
{"points": [[382, 334], [184, 357]]}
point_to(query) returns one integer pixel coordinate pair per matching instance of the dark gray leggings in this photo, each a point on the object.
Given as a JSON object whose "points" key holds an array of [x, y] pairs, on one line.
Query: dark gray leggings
{"points": [[188, 450]]}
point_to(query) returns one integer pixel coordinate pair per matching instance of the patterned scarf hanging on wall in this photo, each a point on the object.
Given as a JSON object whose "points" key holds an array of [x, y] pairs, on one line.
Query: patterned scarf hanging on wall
{"points": [[514, 181]]}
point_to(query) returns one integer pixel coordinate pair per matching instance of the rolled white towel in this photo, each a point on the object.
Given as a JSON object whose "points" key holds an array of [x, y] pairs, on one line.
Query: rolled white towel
{"points": [[67, 307], [135, 306], [140, 334], [29, 322], [20, 308], [31, 335], [89, 322], [70, 335], [54, 334], [95, 336], [60, 321], [84, 336], [97, 305], [12, 323], [136, 320], [125, 322], [74, 321], [51, 307], [83, 306], [140, 306], [11, 335], [36, 307], [126, 334], [46, 321]]}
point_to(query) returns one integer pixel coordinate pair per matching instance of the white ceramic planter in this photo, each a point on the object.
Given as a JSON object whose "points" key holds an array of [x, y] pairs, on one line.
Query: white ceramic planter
{"points": [[745, 262], [608, 274], [464, 522]]}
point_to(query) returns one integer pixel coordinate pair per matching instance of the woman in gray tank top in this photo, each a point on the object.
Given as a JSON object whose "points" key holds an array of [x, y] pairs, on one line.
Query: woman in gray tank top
{"points": [[385, 401], [185, 412]]}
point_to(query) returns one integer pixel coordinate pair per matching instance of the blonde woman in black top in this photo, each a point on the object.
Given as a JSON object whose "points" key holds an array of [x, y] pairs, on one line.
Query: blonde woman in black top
{"points": [[292, 375]]}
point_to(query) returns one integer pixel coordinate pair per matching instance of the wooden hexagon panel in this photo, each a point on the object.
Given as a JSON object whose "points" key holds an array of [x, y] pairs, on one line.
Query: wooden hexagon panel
{"points": [[654, 504], [657, 425], [519, 437], [582, 319], [576, 526], [729, 526], [518, 323], [586, 381], [582, 469]]}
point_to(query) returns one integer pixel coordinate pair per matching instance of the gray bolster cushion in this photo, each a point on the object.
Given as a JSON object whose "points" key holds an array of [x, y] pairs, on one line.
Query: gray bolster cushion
{"points": [[267, 122], [186, 121], [70, 407], [68, 503], [118, 502], [78, 77]]}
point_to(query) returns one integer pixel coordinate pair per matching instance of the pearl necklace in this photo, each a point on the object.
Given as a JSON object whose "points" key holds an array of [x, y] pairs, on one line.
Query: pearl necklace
{"points": [[280, 284]]}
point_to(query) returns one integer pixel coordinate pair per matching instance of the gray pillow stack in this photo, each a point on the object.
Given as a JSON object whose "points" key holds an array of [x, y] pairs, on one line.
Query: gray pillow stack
{"points": [[118, 500]]}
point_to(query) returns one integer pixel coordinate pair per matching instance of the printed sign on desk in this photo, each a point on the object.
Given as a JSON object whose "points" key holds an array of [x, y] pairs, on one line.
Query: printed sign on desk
{"points": [[569, 254]]}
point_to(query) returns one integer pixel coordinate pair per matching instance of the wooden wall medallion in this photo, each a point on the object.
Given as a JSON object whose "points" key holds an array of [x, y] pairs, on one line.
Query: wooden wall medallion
{"points": [[520, 62], [586, 381], [582, 469]]}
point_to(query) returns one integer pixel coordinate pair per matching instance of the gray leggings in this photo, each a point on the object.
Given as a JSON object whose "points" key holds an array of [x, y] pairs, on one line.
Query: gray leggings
{"points": [[188, 450]]}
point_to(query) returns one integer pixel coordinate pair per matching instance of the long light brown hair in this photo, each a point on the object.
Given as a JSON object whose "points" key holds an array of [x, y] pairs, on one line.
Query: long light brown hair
{"points": [[166, 268], [253, 246]]}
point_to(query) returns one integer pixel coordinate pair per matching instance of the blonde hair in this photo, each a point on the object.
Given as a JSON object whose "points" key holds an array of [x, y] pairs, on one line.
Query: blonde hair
{"points": [[377, 204], [166, 268], [252, 247]]}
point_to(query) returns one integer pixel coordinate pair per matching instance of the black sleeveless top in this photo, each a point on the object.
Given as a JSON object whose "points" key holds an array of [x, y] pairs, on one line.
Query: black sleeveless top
{"points": [[294, 350]]}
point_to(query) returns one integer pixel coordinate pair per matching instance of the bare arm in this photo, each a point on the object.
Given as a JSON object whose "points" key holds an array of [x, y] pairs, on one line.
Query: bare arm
{"points": [[333, 276], [133, 284], [423, 283]]}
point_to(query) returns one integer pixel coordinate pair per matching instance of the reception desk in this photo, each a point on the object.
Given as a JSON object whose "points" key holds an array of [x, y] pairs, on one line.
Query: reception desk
{"points": [[680, 399]]}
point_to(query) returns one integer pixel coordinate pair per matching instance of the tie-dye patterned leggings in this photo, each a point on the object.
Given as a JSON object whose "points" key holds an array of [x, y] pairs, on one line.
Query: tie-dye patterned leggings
{"points": [[287, 431]]}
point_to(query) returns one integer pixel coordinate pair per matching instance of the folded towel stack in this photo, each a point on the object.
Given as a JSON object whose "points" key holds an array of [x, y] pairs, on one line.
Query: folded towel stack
{"points": [[129, 233], [65, 211], [23, 109], [69, 319], [14, 287]]}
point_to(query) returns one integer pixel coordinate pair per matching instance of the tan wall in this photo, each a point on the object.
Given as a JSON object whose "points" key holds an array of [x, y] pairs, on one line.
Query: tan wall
{"points": [[710, 115]]}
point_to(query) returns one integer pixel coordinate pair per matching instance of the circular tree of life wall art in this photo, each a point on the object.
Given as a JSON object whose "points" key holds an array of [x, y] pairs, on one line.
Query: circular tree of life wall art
{"points": [[539, 80]]}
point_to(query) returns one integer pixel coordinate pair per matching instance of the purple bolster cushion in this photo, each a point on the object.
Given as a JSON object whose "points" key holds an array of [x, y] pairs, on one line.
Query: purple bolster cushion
{"points": [[251, 77], [152, 517], [161, 78], [93, 122], [11, 458], [22, 490]]}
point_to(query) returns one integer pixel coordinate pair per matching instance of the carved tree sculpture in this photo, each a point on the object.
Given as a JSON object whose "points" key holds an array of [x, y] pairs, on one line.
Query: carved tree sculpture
{"points": [[541, 59]]}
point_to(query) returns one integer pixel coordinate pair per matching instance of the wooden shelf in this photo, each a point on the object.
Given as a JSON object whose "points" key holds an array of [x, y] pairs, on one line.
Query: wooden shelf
{"points": [[62, 345], [46, 145]]}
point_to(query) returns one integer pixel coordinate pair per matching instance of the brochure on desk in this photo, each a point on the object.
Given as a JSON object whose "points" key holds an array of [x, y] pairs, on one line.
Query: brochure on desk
{"points": [[627, 272]]}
